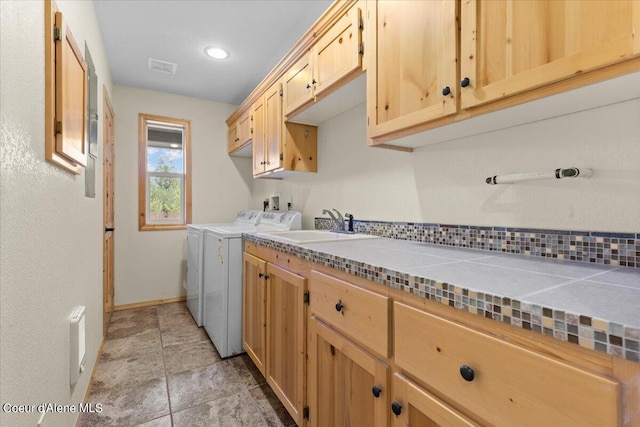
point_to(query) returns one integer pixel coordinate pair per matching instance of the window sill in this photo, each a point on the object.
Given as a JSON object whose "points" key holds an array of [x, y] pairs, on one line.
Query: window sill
{"points": [[162, 227]]}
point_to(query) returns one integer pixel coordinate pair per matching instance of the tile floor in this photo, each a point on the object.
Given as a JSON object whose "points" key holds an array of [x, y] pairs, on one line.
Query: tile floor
{"points": [[159, 369]]}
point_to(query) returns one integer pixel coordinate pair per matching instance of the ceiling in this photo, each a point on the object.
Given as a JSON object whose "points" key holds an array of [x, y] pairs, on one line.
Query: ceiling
{"points": [[256, 33]]}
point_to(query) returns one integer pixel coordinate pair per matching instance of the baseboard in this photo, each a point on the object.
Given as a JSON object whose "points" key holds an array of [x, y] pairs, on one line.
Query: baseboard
{"points": [[148, 303], [93, 372]]}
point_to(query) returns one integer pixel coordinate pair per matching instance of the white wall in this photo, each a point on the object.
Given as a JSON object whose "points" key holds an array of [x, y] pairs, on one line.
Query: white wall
{"points": [[51, 244], [151, 265], [444, 183]]}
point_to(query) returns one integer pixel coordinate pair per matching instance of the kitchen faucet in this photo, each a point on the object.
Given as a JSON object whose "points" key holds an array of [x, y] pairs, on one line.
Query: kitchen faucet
{"points": [[338, 220]]}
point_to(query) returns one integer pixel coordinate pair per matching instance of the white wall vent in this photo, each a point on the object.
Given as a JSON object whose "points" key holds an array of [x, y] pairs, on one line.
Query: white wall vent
{"points": [[77, 351], [162, 66]]}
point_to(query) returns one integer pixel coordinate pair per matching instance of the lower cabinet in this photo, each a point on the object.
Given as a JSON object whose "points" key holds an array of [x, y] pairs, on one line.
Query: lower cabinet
{"points": [[347, 385], [286, 345], [254, 310], [415, 407], [356, 356], [273, 329]]}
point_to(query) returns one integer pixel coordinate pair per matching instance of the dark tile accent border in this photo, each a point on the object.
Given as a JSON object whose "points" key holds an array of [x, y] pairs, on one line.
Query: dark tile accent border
{"points": [[617, 249]]}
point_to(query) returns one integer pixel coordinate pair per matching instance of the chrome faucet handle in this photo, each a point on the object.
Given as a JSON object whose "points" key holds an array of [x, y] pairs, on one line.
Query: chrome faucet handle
{"points": [[350, 217]]}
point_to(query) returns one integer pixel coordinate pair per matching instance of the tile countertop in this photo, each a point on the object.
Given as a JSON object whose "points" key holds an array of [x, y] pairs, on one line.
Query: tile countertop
{"points": [[595, 306]]}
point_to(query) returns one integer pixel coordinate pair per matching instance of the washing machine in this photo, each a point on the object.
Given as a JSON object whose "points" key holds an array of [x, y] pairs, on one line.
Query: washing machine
{"points": [[248, 219], [223, 248]]}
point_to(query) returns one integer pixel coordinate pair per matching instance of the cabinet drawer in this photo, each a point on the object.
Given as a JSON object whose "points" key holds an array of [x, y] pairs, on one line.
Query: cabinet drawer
{"points": [[358, 313], [505, 384]]}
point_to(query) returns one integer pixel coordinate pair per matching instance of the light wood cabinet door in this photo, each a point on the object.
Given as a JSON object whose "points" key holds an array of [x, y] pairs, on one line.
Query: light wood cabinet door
{"points": [[411, 75], [232, 137], [499, 382], [412, 406], [512, 46], [337, 54], [258, 136], [245, 128], [347, 385], [254, 305], [298, 85], [273, 124], [286, 345]]}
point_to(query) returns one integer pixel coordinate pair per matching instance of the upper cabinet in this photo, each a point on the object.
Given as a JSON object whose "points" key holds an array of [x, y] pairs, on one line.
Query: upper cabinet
{"points": [[512, 46], [411, 74], [273, 124], [258, 146], [298, 85], [232, 137], [338, 53], [65, 94], [456, 67], [334, 60], [240, 132], [280, 149]]}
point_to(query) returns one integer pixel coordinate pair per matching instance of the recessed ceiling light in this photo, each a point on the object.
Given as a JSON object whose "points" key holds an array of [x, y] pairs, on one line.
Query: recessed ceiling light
{"points": [[216, 52]]}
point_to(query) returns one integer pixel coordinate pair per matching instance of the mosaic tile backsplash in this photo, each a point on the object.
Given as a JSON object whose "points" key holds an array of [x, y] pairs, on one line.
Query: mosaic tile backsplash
{"points": [[617, 249]]}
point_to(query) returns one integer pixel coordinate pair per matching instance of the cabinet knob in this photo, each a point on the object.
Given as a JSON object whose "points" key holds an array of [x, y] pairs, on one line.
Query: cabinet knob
{"points": [[266, 277], [396, 408], [376, 391], [260, 275], [465, 82], [313, 81], [339, 306], [446, 91], [308, 86], [467, 373]]}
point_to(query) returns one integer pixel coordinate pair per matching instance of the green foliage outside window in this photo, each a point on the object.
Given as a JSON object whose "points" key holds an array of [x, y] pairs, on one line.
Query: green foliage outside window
{"points": [[165, 194]]}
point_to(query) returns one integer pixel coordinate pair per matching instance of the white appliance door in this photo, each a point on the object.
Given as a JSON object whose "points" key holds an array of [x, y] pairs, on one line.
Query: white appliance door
{"points": [[216, 298], [194, 257], [234, 262]]}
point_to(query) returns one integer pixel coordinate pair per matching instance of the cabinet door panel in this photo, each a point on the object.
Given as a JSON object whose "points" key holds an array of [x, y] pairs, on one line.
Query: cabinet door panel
{"points": [[418, 408], [254, 314], [245, 128], [336, 55], [286, 345], [298, 89], [258, 136], [71, 95], [232, 137], [273, 123], [413, 61], [508, 47], [341, 379]]}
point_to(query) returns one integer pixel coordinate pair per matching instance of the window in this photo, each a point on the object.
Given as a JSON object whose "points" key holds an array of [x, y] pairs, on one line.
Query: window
{"points": [[164, 173]]}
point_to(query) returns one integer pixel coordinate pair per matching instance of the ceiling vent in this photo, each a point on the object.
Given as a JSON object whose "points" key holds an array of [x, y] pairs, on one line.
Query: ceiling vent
{"points": [[162, 66]]}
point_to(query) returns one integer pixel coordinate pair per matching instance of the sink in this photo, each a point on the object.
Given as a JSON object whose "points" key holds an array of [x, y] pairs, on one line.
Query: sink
{"points": [[313, 236]]}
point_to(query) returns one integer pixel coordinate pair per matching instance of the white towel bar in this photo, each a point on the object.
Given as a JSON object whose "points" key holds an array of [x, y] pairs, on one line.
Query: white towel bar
{"points": [[557, 174]]}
